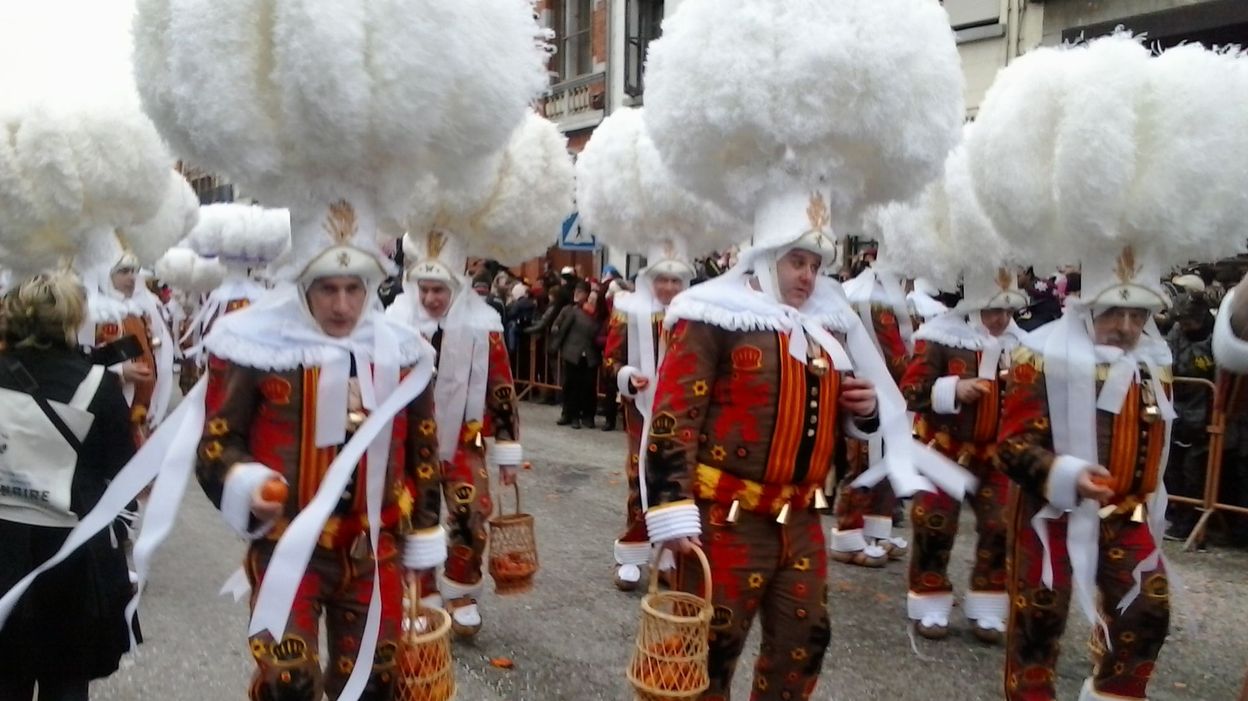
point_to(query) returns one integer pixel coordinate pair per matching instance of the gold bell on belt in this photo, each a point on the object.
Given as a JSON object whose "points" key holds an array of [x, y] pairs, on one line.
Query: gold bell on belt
{"points": [[819, 366]]}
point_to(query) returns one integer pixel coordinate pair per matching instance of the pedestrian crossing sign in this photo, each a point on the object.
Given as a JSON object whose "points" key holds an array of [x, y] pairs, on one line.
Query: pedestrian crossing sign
{"points": [[574, 237]]}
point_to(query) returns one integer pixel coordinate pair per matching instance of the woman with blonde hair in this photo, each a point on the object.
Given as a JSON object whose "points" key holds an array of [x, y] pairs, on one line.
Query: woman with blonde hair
{"points": [[70, 627]]}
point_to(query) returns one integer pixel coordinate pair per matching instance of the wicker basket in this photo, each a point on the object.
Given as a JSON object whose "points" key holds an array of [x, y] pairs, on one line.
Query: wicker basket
{"points": [[513, 550], [425, 669], [670, 658]]}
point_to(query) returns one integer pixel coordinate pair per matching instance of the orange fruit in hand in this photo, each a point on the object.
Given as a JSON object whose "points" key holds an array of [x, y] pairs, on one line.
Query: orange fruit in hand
{"points": [[275, 490]]}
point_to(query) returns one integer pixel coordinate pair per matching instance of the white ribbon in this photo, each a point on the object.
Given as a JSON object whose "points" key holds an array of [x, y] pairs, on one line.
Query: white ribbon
{"points": [[170, 449], [1071, 362], [896, 298], [333, 384], [640, 310], [910, 466], [292, 553]]}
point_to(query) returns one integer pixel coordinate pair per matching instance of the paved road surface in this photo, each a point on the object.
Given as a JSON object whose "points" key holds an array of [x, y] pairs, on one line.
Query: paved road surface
{"points": [[570, 638]]}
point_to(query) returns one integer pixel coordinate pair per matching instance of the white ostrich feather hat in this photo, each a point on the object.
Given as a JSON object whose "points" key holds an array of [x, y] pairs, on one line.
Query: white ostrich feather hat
{"points": [[1130, 161], [335, 109], [512, 213], [628, 198], [801, 114], [81, 159]]}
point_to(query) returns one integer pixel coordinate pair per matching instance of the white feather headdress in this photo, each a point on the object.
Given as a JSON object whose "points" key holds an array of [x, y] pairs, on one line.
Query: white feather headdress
{"points": [[512, 213], [774, 107], [334, 108], [1130, 161], [241, 235], [628, 198], [79, 158], [183, 269]]}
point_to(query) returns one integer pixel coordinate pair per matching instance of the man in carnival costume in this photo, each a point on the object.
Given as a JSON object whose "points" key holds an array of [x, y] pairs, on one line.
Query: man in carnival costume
{"points": [[758, 383], [1087, 411], [863, 534], [522, 199], [627, 197], [313, 386], [954, 386]]}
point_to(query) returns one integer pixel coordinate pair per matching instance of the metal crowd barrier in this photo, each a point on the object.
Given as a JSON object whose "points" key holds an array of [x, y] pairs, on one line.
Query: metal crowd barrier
{"points": [[1226, 388]]}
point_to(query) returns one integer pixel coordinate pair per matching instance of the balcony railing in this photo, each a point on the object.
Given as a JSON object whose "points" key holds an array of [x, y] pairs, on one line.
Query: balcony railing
{"points": [[577, 103]]}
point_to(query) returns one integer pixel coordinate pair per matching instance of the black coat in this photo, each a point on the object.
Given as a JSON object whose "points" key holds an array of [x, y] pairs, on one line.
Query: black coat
{"points": [[71, 622]]}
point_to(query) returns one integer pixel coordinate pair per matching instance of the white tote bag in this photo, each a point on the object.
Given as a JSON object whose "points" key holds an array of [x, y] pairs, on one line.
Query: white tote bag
{"points": [[37, 462]]}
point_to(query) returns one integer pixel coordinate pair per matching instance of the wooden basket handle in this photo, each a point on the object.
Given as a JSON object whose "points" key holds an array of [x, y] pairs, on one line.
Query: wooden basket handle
{"points": [[706, 571], [516, 487], [412, 587]]}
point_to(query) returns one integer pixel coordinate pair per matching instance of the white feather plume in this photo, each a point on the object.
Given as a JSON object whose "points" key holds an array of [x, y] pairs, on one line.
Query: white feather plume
{"points": [[513, 211], [1088, 149], [862, 97], [627, 197], [178, 213], [241, 234], [313, 101], [184, 269], [78, 153]]}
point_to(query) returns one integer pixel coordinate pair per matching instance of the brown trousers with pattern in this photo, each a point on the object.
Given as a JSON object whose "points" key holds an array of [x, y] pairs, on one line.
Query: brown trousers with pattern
{"points": [[853, 504], [466, 488], [338, 585], [935, 518], [635, 521], [1038, 614], [778, 571]]}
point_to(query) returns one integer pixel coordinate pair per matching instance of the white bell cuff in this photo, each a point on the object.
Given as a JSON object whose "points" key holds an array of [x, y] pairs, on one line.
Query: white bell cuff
{"points": [[878, 527], [624, 378], [945, 395], [1060, 488], [678, 519], [987, 606], [1089, 693], [506, 453], [455, 590], [850, 541], [930, 608], [425, 549], [632, 553], [241, 484]]}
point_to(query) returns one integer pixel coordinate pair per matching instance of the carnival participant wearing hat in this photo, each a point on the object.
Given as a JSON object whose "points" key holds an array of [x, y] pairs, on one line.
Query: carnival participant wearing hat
{"points": [[1087, 413], [863, 534], [313, 386], [505, 217], [954, 386], [627, 197], [121, 306], [767, 364]]}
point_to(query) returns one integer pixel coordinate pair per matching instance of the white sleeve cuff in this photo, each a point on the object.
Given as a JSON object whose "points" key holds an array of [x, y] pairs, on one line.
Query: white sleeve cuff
{"points": [[853, 430], [506, 453], [624, 378], [1230, 351], [1060, 489], [425, 549], [679, 519], [240, 484], [945, 395]]}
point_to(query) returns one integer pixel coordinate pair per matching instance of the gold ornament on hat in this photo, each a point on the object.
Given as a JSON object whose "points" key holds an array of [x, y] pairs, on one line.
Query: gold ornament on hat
{"points": [[1005, 279], [435, 243], [1126, 269], [340, 222], [818, 214]]}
